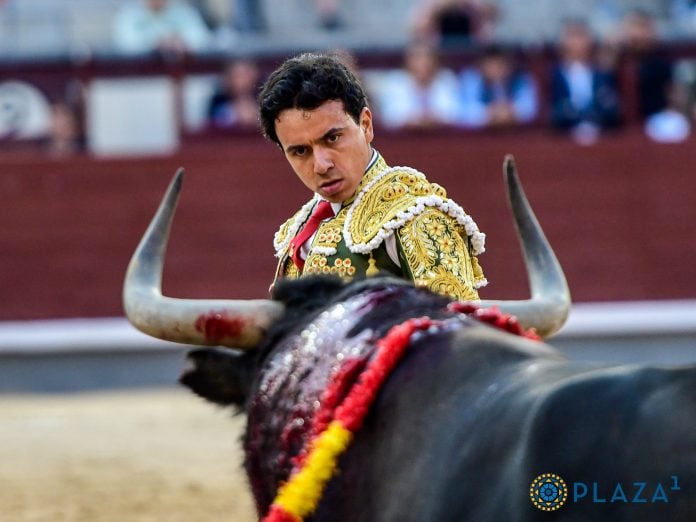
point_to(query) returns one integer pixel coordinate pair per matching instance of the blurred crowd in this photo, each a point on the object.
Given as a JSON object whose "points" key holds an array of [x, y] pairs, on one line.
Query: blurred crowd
{"points": [[194, 26], [582, 90]]}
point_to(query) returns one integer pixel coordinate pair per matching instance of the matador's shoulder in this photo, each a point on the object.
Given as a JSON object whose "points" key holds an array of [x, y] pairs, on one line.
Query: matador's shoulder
{"points": [[393, 198], [289, 229]]}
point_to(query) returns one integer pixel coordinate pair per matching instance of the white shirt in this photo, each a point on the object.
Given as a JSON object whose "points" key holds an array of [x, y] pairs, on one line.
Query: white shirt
{"points": [[402, 101], [579, 78], [138, 29]]}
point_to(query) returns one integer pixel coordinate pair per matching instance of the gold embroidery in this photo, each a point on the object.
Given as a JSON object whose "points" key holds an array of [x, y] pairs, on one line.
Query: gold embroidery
{"points": [[379, 166], [393, 191], [289, 229], [478, 271], [282, 234], [372, 269], [408, 178], [318, 264], [389, 197], [434, 244], [446, 283], [291, 270], [329, 237], [421, 188], [330, 233], [438, 190], [437, 255]]}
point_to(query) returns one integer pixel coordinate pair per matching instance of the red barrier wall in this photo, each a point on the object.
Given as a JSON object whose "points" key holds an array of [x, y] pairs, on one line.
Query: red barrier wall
{"points": [[620, 215]]}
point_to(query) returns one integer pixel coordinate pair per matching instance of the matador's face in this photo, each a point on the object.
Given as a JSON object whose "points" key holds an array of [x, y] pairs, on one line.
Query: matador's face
{"points": [[326, 147]]}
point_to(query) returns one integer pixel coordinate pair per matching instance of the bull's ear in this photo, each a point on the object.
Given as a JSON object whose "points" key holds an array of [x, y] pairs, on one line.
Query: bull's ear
{"points": [[220, 375]]}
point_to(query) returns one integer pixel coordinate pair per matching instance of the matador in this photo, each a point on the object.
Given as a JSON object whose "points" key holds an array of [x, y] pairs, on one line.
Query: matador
{"points": [[365, 218]]}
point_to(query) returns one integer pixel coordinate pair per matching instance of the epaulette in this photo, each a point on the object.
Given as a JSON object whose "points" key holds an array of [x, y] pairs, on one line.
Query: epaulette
{"points": [[392, 199], [289, 229]]}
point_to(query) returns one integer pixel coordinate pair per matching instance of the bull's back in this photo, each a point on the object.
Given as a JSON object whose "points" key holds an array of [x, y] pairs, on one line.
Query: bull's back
{"points": [[437, 416], [466, 422]]}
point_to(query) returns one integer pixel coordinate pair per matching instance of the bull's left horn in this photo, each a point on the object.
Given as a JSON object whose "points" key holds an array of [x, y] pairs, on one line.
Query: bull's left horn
{"points": [[237, 324]]}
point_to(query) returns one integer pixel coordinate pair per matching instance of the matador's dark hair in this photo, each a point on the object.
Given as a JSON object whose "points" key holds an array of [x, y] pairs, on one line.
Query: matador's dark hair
{"points": [[305, 82]]}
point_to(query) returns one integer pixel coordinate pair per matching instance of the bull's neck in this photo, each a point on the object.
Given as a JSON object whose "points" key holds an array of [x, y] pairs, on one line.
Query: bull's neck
{"points": [[288, 393]]}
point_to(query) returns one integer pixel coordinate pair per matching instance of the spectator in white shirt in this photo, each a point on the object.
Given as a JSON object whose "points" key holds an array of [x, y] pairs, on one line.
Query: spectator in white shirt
{"points": [[496, 92], [165, 26], [422, 94]]}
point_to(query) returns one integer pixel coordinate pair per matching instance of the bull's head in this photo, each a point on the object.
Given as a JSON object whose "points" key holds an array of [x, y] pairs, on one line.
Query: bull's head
{"points": [[242, 323]]}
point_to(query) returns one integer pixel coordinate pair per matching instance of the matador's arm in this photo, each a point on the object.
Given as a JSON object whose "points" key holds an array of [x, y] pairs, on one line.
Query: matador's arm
{"points": [[435, 253]]}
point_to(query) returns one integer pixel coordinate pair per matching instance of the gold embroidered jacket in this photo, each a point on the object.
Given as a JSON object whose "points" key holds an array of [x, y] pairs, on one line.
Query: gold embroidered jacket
{"points": [[436, 241]]}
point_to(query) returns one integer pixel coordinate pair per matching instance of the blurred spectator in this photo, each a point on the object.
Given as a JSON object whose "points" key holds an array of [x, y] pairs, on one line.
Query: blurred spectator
{"points": [[683, 18], [670, 125], [234, 103], [584, 95], [170, 27], [328, 14], [653, 70], [454, 22], [65, 131], [422, 94], [248, 16], [685, 76], [540, 21], [497, 92], [210, 12]]}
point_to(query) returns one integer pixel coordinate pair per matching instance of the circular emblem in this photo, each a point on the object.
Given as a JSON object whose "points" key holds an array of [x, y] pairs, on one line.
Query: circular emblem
{"points": [[548, 492]]}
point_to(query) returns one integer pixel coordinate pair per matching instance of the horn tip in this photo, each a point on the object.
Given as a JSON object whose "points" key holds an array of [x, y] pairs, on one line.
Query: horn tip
{"points": [[509, 165], [177, 181], [510, 172], [179, 175]]}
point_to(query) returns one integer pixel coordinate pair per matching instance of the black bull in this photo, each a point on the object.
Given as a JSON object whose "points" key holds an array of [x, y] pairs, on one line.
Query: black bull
{"points": [[468, 419]]}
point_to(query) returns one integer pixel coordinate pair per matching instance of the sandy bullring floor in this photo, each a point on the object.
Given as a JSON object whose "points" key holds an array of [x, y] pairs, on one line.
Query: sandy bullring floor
{"points": [[127, 456]]}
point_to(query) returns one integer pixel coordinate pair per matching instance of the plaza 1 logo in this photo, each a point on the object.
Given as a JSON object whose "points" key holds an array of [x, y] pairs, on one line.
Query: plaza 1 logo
{"points": [[549, 492]]}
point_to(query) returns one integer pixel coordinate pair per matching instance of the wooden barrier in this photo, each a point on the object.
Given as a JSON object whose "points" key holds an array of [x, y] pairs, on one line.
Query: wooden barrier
{"points": [[620, 215]]}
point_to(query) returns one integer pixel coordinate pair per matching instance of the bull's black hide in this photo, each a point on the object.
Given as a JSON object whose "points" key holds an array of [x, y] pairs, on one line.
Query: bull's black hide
{"points": [[467, 420]]}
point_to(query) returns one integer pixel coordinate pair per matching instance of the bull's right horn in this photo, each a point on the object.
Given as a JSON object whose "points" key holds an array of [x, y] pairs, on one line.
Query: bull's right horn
{"points": [[236, 324], [549, 305]]}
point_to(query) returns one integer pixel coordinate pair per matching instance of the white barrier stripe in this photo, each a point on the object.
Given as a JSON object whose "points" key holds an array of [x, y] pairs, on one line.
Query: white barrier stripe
{"points": [[77, 335], [630, 318], [610, 319]]}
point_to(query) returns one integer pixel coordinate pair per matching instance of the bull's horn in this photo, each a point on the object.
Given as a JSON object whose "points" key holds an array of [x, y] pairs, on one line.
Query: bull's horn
{"points": [[238, 324], [548, 307]]}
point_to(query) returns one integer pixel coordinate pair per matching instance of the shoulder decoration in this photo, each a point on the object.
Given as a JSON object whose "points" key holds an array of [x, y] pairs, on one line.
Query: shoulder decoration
{"points": [[392, 199], [291, 227]]}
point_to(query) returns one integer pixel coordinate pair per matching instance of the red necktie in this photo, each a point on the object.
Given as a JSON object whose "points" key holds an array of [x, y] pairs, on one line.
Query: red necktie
{"points": [[322, 211]]}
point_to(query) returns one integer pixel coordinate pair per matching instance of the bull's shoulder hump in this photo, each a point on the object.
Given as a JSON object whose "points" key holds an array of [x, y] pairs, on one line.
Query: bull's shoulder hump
{"points": [[288, 230], [385, 204]]}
